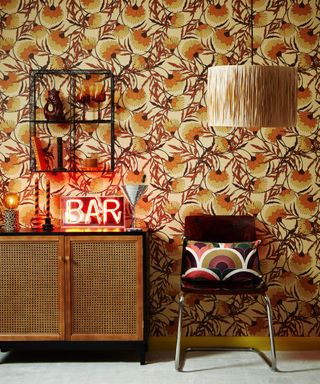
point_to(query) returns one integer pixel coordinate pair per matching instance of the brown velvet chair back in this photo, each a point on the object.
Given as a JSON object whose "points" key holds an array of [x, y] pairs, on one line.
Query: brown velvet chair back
{"points": [[224, 229]]}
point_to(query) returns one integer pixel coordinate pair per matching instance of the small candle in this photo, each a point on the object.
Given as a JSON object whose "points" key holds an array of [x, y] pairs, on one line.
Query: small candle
{"points": [[36, 197], [48, 198]]}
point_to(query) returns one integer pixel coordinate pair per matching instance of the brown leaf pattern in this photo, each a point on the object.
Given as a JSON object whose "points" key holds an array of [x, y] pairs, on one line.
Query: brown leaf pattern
{"points": [[159, 51]]}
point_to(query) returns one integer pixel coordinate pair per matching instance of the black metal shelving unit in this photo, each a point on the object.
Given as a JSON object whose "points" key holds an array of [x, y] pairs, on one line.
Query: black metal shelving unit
{"points": [[40, 82]]}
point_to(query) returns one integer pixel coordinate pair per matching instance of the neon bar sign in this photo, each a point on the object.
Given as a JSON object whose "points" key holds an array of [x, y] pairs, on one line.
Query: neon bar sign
{"points": [[92, 212]]}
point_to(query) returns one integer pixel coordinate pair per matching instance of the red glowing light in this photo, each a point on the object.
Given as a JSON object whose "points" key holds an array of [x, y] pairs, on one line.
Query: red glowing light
{"points": [[92, 212]]}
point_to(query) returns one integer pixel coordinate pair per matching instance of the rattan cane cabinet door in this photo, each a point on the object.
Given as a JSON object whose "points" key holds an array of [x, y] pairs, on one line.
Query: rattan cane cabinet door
{"points": [[105, 290], [31, 288]]}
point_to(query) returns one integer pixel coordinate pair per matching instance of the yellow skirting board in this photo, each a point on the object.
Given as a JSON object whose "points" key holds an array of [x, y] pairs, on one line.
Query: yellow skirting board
{"points": [[262, 343]]}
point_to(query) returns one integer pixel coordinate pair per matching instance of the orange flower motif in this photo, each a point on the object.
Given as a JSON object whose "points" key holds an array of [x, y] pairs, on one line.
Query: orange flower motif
{"points": [[300, 180], [178, 103], [16, 103], [304, 60], [23, 133], [179, 185], [257, 327], [305, 144], [6, 44], [92, 5], [58, 182], [134, 15], [134, 99], [26, 49], [300, 262], [173, 5], [172, 207], [300, 13], [191, 131], [304, 309], [10, 84], [287, 29], [193, 49], [121, 31], [171, 43], [189, 210], [273, 48], [223, 205], [222, 40], [97, 185], [304, 226], [261, 185], [304, 96], [139, 62], [204, 31], [14, 21], [277, 296], [258, 165], [140, 124], [217, 180], [134, 177], [140, 41], [122, 114], [52, 12], [139, 145], [51, 16], [301, 176], [144, 206], [306, 122], [88, 43], [7, 126], [287, 195], [306, 289], [171, 126], [108, 49], [39, 32], [57, 42], [273, 134], [306, 206], [204, 196], [9, 6], [96, 20], [254, 207], [175, 165], [179, 19], [273, 213], [202, 114], [307, 39], [263, 18], [175, 83], [221, 59], [56, 62], [11, 167], [222, 308], [216, 14]]}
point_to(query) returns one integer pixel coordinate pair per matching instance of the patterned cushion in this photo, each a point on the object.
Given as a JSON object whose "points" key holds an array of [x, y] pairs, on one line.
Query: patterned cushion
{"points": [[220, 263]]}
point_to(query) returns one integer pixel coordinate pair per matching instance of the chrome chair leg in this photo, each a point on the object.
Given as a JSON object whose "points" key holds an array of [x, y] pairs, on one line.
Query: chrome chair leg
{"points": [[271, 333], [178, 342]]}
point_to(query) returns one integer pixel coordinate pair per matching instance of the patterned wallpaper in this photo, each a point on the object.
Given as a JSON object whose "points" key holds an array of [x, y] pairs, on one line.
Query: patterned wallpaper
{"points": [[160, 51]]}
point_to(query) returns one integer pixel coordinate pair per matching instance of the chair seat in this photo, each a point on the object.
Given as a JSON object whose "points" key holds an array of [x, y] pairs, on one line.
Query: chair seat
{"points": [[259, 288]]}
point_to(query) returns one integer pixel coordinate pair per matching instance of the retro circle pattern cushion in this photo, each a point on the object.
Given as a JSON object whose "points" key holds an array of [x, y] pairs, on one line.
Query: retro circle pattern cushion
{"points": [[221, 262]]}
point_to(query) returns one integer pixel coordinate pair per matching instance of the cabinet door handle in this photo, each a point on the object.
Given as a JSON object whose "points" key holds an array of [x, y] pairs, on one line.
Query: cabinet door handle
{"points": [[67, 258]]}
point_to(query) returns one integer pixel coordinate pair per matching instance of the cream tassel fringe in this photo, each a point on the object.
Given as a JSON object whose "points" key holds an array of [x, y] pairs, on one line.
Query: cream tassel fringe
{"points": [[252, 96]]}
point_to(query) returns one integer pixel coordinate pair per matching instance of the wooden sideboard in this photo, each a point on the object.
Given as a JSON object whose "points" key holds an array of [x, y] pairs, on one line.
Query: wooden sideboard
{"points": [[73, 290]]}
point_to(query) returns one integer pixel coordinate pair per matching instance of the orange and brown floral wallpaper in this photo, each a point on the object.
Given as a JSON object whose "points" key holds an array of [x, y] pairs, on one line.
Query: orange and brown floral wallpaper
{"points": [[159, 51]]}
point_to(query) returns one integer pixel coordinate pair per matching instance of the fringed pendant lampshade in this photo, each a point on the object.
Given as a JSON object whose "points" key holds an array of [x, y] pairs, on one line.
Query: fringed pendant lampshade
{"points": [[252, 96]]}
